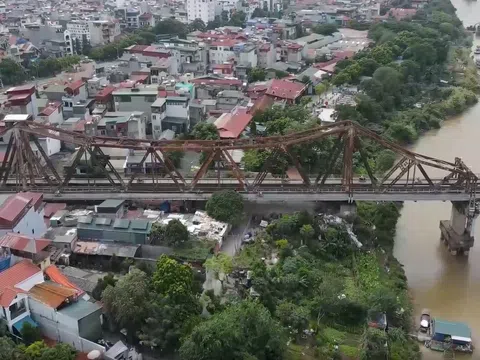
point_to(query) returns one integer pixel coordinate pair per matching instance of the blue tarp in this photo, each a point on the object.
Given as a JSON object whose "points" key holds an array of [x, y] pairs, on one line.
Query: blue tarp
{"points": [[5, 263], [19, 324]]}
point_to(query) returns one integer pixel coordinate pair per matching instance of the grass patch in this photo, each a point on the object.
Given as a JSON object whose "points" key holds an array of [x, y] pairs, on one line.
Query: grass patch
{"points": [[195, 250], [350, 351], [333, 335], [249, 255]]}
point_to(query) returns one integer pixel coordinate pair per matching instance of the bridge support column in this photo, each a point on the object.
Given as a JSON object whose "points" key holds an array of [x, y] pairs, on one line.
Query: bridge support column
{"points": [[457, 233], [348, 209]]}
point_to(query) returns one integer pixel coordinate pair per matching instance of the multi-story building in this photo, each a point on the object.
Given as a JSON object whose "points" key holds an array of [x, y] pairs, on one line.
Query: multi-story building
{"points": [[22, 100], [103, 31], [201, 9], [133, 18], [221, 51], [266, 55], [79, 30], [75, 92], [229, 6], [246, 55], [139, 98], [159, 109]]}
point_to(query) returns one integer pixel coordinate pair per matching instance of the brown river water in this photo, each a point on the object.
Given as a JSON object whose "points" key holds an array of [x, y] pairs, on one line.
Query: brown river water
{"points": [[449, 286]]}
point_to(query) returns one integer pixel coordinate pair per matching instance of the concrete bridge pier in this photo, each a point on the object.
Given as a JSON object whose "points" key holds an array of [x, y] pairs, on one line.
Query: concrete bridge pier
{"points": [[457, 233]]}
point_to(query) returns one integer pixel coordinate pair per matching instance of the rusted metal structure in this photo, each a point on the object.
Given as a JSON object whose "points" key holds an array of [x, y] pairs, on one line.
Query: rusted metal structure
{"points": [[31, 171]]}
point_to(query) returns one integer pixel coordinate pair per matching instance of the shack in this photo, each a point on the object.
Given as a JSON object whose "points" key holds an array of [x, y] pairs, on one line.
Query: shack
{"points": [[449, 334]]}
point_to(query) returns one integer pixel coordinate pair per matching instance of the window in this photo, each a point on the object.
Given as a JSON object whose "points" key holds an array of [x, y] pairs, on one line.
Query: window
{"points": [[125, 98], [150, 99]]}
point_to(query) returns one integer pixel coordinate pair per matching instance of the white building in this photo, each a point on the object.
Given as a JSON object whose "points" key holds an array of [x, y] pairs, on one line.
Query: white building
{"points": [[221, 51], [23, 213], [77, 31], [15, 281], [201, 9], [158, 114]]}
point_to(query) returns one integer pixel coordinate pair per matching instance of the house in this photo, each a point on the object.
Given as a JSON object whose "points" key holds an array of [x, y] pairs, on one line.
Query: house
{"points": [[267, 55], [159, 109], [138, 98], [286, 90], [209, 86], [113, 230], [22, 247], [231, 125], [62, 317], [22, 213], [104, 99], [22, 100], [400, 13], [111, 208], [75, 92], [15, 282], [52, 113], [228, 99], [177, 114]]}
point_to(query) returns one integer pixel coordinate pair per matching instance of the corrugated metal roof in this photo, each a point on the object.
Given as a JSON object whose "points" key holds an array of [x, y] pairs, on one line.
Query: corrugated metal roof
{"points": [[51, 294], [13, 276], [23, 243], [451, 328], [80, 309]]}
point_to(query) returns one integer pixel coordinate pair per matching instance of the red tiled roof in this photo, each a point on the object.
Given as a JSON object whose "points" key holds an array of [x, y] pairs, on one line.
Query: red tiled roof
{"points": [[139, 77], [285, 89], [23, 243], [232, 125], [13, 276], [74, 85], [261, 104], [80, 126], [12, 209], [139, 48], [51, 208], [19, 97], [22, 88], [104, 93], [50, 109]]}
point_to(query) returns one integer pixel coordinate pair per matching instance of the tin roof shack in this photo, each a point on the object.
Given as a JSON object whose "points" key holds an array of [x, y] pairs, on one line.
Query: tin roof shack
{"points": [[115, 230], [111, 208], [99, 255], [446, 332], [24, 247], [70, 321]]}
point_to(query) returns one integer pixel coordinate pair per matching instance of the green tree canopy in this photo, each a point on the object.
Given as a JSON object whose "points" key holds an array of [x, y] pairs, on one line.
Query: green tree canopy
{"points": [[243, 331], [172, 278], [126, 303], [175, 233], [325, 29], [226, 205], [205, 131]]}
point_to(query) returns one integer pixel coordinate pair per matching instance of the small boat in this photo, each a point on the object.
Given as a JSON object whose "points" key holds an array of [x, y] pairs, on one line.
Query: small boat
{"points": [[477, 50], [425, 320]]}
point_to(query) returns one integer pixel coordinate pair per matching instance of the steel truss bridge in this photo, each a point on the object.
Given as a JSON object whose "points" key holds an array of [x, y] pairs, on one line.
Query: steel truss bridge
{"points": [[24, 169]]}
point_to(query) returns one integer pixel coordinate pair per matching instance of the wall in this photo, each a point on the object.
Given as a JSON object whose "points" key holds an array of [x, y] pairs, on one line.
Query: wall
{"points": [[32, 224], [27, 284], [50, 327], [87, 331], [137, 103]]}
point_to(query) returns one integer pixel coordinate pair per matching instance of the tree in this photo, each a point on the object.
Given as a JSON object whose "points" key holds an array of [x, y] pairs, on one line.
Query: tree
{"points": [[59, 352], [259, 13], [374, 345], [205, 131], [8, 350], [30, 334], [292, 315], [243, 331], [256, 74], [126, 303], [325, 29], [11, 72], [226, 205], [384, 161], [107, 280], [307, 232], [197, 25], [36, 350], [175, 233], [172, 278], [219, 264], [171, 26], [279, 74], [237, 19], [86, 47]]}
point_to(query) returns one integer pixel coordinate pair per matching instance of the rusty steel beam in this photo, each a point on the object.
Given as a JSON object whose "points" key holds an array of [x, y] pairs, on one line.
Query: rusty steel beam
{"points": [[72, 168], [171, 168], [364, 159], [132, 177], [298, 166], [111, 167], [239, 175], [10, 146], [48, 162], [203, 168], [172, 174], [425, 175]]}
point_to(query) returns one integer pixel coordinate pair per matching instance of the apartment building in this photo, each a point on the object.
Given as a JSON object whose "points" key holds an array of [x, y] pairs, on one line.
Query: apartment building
{"points": [[139, 98], [221, 51], [103, 31], [201, 9]]}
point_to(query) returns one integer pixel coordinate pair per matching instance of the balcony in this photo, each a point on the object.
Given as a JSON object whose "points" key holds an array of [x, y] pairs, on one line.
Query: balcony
{"points": [[17, 309]]}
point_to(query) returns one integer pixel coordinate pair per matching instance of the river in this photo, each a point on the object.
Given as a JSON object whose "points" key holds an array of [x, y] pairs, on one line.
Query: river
{"points": [[449, 286]]}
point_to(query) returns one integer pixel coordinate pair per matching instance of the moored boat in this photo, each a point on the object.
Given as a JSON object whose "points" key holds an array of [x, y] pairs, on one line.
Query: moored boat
{"points": [[450, 335], [425, 321]]}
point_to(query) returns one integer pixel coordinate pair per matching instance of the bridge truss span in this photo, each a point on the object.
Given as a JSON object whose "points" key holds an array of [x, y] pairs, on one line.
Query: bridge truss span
{"points": [[344, 151]]}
